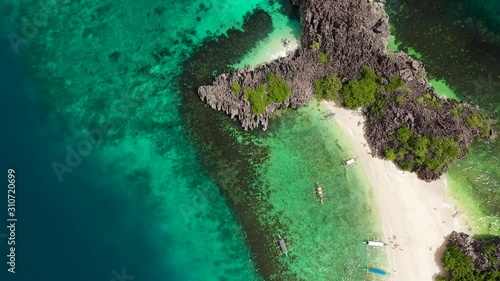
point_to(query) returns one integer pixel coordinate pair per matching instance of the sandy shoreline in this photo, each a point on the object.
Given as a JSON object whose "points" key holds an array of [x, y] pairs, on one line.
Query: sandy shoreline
{"points": [[419, 214]]}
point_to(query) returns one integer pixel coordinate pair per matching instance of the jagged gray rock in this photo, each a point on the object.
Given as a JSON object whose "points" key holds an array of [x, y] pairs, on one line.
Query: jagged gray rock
{"points": [[474, 249], [352, 34]]}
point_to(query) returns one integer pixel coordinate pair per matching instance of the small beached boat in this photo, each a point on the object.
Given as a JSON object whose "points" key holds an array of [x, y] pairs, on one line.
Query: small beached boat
{"points": [[375, 271], [374, 243], [328, 116], [348, 162]]}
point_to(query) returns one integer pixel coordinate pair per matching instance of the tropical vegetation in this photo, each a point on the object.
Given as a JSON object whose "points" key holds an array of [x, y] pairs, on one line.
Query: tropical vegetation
{"points": [[277, 90], [394, 84], [358, 93], [433, 153], [236, 87], [328, 88], [315, 46], [323, 58], [460, 267]]}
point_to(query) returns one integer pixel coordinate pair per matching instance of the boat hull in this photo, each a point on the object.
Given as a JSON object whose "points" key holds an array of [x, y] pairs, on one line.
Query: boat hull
{"points": [[375, 271], [374, 243]]}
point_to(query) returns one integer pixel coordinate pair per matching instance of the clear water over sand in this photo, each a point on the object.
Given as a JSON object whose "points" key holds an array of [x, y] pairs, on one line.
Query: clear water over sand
{"points": [[326, 238]]}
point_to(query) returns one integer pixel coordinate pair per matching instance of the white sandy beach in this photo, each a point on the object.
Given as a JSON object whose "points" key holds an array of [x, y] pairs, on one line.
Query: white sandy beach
{"points": [[419, 214]]}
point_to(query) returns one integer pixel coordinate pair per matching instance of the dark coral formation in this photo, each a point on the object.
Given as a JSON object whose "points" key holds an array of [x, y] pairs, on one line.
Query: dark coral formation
{"points": [[353, 34]]}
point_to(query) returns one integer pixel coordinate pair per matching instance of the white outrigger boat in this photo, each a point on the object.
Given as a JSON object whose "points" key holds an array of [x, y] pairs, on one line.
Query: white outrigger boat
{"points": [[328, 116], [348, 162], [374, 243], [282, 245]]}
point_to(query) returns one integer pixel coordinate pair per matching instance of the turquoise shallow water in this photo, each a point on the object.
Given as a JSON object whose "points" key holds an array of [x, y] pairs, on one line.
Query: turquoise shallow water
{"points": [[268, 178], [138, 199], [459, 42], [326, 238], [174, 190]]}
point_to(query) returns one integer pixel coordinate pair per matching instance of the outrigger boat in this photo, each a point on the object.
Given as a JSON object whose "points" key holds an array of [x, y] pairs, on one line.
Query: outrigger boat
{"points": [[282, 245], [375, 271], [319, 194], [328, 116], [348, 162], [374, 243]]}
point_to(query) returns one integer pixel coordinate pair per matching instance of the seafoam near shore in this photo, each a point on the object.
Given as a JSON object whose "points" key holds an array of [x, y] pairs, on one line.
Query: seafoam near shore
{"points": [[415, 215]]}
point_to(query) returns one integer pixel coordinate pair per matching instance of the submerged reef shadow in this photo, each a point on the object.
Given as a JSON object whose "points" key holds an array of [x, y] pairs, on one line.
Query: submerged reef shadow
{"points": [[232, 164]]}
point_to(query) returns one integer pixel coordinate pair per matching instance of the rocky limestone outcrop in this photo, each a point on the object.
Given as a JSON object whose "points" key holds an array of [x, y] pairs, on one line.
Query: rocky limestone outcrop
{"points": [[352, 34], [475, 249]]}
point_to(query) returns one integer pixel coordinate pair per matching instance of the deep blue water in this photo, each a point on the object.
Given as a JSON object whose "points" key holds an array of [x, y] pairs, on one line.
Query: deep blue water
{"points": [[70, 230]]}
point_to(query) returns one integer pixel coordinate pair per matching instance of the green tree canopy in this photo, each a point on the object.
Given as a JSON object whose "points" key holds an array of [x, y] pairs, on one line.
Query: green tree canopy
{"points": [[315, 46], [328, 88], [236, 87], [323, 58], [390, 154], [403, 134], [278, 89], [461, 268], [394, 84], [258, 98], [361, 92], [458, 264]]}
